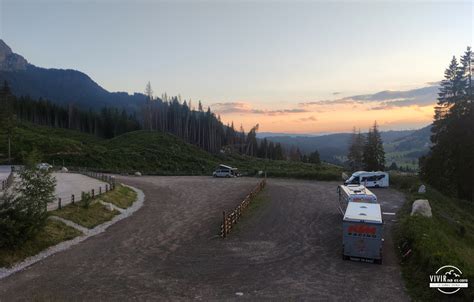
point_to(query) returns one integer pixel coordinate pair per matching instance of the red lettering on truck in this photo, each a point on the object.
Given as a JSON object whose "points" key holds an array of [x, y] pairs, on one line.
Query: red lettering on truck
{"points": [[362, 229]]}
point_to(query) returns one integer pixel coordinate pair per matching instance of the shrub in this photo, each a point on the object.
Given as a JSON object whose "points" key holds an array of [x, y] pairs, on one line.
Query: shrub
{"points": [[86, 199], [23, 211]]}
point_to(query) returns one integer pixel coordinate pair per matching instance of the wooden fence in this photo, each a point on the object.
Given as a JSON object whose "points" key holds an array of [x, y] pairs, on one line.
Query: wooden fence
{"points": [[94, 192], [110, 185], [100, 176], [229, 219]]}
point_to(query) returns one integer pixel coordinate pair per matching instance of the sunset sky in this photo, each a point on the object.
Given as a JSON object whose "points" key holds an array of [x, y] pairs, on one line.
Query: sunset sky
{"points": [[296, 67]]}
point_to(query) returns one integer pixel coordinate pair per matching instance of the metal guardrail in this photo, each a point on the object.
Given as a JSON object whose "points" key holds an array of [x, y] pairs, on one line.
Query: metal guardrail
{"points": [[229, 219]]}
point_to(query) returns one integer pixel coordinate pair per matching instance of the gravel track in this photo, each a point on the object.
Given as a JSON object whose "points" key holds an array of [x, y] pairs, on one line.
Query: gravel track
{"points": [[289, 248]]}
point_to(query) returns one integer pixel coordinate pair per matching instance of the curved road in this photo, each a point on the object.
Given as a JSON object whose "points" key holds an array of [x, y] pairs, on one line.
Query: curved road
{"points": [[288, 248]]}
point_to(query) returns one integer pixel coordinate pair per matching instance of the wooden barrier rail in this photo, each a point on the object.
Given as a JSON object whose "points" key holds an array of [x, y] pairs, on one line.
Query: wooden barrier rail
{"points": [[229, 219]]}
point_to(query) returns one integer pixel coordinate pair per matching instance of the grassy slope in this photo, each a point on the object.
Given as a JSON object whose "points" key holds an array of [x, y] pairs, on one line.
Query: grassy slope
{"points": [[89, 217], [122, 197], [97, 213], [147, 152], [446, 238], [53, 233]]}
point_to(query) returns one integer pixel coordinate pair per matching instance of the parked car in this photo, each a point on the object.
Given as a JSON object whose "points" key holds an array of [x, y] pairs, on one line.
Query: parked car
{"points": [[225, 171], [44, 166]]}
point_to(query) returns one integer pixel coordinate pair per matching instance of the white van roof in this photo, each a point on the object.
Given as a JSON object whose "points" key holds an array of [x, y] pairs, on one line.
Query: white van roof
{"points": [[226, 167], [356, 190], [365, 172], [362, 211]]}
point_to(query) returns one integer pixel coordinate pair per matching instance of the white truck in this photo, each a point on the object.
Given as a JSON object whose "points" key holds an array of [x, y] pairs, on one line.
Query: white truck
{"points": [[362, 229], [377, 179], [354, 193]]}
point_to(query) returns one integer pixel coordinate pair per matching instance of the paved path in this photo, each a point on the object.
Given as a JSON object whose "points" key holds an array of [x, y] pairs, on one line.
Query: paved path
{"points": [[287, 249]]}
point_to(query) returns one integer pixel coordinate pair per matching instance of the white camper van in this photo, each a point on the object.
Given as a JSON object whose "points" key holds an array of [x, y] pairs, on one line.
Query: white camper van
{"points": [[354, 193], [225, 171], [377, 179], [362, 232]]}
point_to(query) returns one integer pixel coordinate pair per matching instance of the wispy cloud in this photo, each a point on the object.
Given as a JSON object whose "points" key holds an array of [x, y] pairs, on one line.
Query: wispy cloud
{"points": [[243, 107], [308, 119], [384, 99]]}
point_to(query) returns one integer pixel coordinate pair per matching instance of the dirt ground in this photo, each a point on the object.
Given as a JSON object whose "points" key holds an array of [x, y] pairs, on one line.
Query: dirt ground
{"points": [[289, 248]]}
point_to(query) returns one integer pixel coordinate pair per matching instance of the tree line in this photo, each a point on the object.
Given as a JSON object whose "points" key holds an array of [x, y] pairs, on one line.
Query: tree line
{"points": [[449, 166], [106, 123], [167, 114], [366, 152], [202, 127]]}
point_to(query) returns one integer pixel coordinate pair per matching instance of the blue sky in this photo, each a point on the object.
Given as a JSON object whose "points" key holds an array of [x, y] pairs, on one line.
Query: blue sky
{"points": [[268, 55]]}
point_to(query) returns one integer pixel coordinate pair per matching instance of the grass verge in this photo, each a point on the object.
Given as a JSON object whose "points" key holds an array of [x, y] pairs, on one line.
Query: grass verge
{"points": [[447, 238], [257, 204], [53, 233], [88, 217], [122, 197]]}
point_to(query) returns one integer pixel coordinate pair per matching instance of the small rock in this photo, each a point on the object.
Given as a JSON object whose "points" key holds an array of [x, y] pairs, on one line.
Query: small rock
{"points": [[64, 169], [109, 207], [239, 294], [138, 174], [422, 189], [421, 207]]}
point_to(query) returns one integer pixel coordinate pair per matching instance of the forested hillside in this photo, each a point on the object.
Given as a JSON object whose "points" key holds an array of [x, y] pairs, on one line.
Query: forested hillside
{"points": [[198, 127], [150, 152]]}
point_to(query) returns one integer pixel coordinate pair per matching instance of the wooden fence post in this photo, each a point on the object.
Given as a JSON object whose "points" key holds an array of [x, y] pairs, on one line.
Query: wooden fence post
{"points": [[224, 225], [100, 190], [72, 198], [59, 203], [92, 193]]}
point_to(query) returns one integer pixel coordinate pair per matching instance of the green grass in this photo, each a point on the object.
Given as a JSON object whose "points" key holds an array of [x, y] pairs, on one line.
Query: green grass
{"points": [[255, 206], [446, 238], [149, 152], [89, 217], [123, 197], [53, 233]]}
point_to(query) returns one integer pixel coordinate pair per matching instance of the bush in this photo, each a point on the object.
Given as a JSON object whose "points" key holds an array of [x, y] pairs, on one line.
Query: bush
{"points": [[23, 211], [86, 199]]}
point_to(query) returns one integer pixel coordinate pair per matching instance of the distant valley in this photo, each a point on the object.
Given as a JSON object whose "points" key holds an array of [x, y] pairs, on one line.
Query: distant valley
{"points": [[402, 147]]}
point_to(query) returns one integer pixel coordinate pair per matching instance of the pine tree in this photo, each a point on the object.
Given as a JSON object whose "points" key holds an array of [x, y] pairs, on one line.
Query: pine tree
{"points": [[314, 157], [7, 115], [374, 154], [356, 151], [450, 164]]}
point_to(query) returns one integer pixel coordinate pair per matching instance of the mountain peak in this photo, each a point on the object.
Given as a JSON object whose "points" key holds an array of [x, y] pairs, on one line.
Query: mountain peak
{"points": [[10, 61]]}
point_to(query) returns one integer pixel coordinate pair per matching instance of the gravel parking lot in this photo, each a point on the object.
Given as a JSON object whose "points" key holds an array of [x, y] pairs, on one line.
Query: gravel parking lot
{"points": [[287, 249]]}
